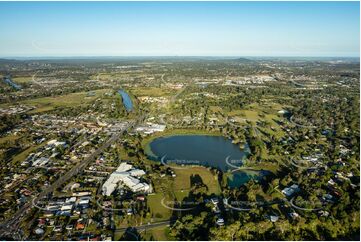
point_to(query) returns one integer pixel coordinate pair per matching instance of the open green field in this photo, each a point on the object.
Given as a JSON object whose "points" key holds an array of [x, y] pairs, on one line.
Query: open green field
{"points": [[150, 234], [254, 111], [265, 112], [8, 138], [158, 211], [70, 100], [179, 189], [182, 181], [25, 153], [22, 79], [248, 115], [118, 235], [152, 91], [156, 234]]}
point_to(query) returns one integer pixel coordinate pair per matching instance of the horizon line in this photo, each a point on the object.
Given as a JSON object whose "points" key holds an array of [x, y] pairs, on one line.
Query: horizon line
{"points": [[175, 56]]}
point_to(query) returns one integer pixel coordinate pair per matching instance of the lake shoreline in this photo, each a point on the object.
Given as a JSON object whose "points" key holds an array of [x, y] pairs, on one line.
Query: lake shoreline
{"points": [[233, 177], [174, 132]]}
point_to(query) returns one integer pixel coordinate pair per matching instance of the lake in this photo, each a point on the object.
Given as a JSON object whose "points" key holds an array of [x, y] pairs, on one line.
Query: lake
{"points": [[127, 101], [204, 150]]}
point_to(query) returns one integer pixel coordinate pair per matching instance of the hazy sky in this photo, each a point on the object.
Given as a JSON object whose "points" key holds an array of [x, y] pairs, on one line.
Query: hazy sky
{"points": [[180, 28]]}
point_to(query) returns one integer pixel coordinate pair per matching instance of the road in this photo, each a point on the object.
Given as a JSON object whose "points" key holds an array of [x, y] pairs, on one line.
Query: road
{"points": [[146, 226], [303, 209], [300, 125], [11, 225], [297, 84], [294, 163], [174, 98], [168, 222], [34, 81]]}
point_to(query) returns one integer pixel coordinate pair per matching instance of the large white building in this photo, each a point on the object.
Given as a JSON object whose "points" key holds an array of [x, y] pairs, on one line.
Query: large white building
{"points": [[137, 172], [151, 128], [125, 175]]}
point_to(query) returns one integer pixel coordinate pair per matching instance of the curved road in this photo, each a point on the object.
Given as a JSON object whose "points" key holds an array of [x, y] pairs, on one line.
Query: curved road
{"points": [[34, 81], [300, 125], [303, 209]]}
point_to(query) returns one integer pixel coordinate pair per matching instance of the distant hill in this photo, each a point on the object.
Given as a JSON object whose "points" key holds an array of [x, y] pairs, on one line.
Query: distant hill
{"points": [[244, 60], [9, 61]]}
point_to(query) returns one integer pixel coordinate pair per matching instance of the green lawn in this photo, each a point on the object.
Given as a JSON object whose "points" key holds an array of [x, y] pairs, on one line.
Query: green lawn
{"points": [[179, 189], [70, 100], [159, 212], [22, 156], [22, 79], [253, 111], [182, 181], [152, 91], [8, 138], [118, 235], [156, 234]]}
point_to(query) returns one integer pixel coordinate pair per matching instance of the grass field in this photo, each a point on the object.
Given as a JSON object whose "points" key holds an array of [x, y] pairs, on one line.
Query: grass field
{"points": [[180, 194], [8, 138], [254, 111], [118, 235], [156, 234], [22, 79], [70, 100], [22, 156], [267, 111], [246, 114], [153, 234], [182, 181], [178, 189], [152, 91], [159, 212]]}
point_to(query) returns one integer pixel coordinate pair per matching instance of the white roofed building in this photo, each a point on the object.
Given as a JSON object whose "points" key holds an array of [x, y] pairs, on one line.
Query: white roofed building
{"points": [[124, 167], [137, 172], [130, 181], [125, 175]]}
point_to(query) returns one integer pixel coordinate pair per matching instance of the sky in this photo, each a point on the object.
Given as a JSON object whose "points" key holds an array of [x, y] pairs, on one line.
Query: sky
{"points": [[36, 29]]}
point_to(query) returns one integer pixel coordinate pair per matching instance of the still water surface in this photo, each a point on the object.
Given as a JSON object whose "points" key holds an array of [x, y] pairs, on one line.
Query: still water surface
{"points": [[205, 150]]}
